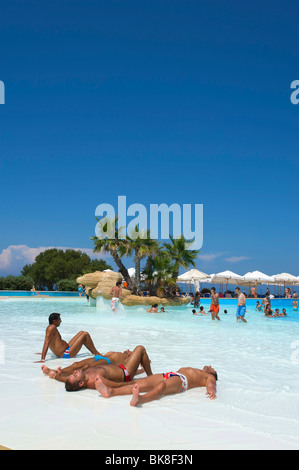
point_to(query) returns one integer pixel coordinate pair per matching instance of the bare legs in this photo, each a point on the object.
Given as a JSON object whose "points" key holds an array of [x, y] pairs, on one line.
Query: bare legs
{"points": [[82, 338], [154, 385], [138, 356]]}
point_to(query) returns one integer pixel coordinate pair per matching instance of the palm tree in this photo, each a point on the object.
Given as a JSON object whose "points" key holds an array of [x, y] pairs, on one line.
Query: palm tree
{"points": [[142, 245], [115, 246], [159, 272], [180, 254]]}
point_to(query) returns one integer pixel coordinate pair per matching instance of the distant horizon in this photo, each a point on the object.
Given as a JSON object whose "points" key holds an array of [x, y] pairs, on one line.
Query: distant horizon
{"points": [[14, 254]]}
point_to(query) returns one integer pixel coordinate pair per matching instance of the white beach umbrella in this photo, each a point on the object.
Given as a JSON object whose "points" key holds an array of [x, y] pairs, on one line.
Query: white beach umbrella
{"points": [[285, 278], [227, 277], [256, 278], [194, 275]]}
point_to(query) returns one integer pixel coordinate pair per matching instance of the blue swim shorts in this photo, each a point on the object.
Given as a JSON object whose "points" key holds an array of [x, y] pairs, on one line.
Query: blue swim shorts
{"points": [[66, 353], [241, 309], [98, 358]]}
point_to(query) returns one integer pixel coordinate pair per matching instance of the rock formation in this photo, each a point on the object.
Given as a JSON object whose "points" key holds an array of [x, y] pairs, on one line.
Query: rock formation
{"points": [[101, 283]]}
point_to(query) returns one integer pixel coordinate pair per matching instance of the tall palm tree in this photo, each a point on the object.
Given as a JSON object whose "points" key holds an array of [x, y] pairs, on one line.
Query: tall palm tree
{"points": [[115, 246], [141, 245], [180, 254], [159, 272]]}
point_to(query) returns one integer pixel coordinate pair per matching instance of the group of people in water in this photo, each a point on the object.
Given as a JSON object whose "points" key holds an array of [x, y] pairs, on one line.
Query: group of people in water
{"points": [[113, 374]]}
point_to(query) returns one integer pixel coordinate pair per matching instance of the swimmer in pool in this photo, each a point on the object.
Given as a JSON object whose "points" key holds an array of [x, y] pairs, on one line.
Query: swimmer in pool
{"points": [[116, 293], [295, 305], [60, 347], [80, 379], [258, 306], [214, 308], [153, 309], [159, 385]]}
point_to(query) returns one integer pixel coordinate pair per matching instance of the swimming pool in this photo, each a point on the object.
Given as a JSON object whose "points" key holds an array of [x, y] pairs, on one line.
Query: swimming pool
{"points": [[18, 293], [257, 363]]}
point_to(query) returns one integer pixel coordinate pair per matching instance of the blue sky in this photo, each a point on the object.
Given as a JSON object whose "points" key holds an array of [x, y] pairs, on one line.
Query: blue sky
{"points": [[182, 102]]}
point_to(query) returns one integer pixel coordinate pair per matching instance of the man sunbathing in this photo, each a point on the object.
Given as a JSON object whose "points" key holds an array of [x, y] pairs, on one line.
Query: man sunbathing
{"points": [[158, 385], [60, 347], [87, 371], [98, 360]]}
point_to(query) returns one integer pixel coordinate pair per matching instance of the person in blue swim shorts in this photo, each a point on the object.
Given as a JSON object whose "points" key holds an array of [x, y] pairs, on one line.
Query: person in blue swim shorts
{"points": [[241, 307], [61, 348]]}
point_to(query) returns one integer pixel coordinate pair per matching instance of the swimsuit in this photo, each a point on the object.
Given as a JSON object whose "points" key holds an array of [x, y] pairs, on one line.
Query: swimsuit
{"points": [[127, 377], [114, 303], [241, 309], [66, 354], [214, 308], [98, 358], [184, 380]]}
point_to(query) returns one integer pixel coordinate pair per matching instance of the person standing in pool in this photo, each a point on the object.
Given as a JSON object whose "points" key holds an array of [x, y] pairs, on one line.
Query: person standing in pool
{"points": [[60, 347], [241, 307], [116, 292], [214, 308]]}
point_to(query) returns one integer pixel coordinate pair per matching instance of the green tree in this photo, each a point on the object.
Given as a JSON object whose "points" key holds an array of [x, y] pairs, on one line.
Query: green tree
{"points": [[53, 265], [141, 246], [111, 241]]}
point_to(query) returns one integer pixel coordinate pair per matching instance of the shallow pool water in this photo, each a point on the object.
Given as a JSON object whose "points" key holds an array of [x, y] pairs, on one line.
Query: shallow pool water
{"points": [[257, 393]]}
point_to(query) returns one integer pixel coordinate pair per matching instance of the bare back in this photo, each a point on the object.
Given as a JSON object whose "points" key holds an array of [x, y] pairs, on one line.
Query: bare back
{"points": [[116, 291], [55, 342]]}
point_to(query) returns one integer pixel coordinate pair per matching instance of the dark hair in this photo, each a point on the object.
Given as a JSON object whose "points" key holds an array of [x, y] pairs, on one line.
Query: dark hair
{"points": [[53, 317], [215, 375], [73, 387], [118, 283], [213, 288], [237, 288]]}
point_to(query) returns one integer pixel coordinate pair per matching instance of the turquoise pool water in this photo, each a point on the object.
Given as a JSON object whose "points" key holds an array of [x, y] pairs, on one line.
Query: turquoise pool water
{"points": [[5, 293], [257, 393]]}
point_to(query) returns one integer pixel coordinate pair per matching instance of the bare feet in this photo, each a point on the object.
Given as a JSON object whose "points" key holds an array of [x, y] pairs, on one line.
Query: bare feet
{"points": [[135, 400], [102, 389], [49, 372]]}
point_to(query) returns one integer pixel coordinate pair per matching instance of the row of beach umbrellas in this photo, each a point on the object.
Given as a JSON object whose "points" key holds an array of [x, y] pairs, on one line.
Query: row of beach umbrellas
{"points": [[249, 279]]}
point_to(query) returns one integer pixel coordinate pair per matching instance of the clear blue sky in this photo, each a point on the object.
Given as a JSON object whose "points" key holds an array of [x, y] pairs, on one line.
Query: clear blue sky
{"points": [[162, 101]]}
